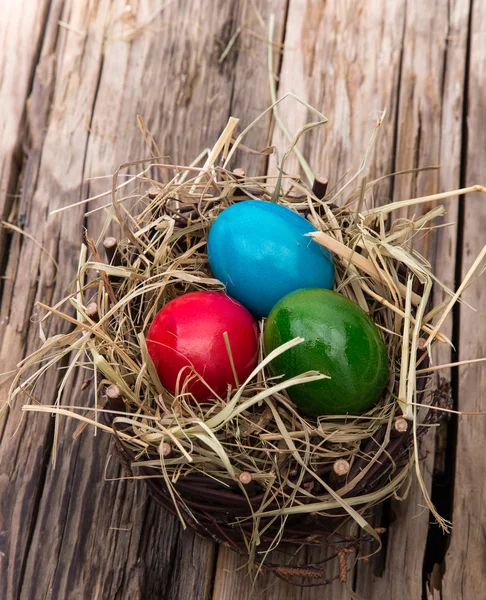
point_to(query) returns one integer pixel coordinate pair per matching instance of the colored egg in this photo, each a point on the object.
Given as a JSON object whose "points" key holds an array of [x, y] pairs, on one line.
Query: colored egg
{"points": [[341, 341], [259, 250], [186, 343]]}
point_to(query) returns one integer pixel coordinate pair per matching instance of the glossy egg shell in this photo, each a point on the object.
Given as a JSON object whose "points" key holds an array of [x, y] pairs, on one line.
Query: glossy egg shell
{"points": [[186, 341], [340, 341], [259, 250]]}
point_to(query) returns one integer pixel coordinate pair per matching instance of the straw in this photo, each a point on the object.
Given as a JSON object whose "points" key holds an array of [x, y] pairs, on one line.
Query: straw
{"points": [[252, 452]]}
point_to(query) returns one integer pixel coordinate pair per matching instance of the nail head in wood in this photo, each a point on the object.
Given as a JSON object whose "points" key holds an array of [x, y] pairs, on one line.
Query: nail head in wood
{"points": [[319, 187]]}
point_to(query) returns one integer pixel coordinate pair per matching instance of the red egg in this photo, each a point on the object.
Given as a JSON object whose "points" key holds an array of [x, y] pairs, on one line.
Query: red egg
{"points": [[187, 345]]}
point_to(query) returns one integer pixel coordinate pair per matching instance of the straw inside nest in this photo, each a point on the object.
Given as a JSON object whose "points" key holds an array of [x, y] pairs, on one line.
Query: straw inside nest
{"points": [[254, 433]]}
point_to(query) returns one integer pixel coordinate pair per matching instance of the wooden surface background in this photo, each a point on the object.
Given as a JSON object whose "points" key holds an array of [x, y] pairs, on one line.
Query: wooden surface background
{"points": [[73, 76]]}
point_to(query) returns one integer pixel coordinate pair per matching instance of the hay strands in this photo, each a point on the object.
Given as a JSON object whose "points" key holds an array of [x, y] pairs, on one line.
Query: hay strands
{"points": [[253, 437]]}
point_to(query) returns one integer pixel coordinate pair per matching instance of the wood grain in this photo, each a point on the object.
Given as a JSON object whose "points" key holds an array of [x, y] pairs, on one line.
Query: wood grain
{"points": [[344, 59], [464, 565], [428, 83], [21, 31]]}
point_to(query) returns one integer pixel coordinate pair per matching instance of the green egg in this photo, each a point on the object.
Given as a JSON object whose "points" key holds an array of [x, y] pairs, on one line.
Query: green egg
{"points": [[340, 341]]}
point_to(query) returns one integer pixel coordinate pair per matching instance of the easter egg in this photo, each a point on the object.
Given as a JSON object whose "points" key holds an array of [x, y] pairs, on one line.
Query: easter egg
{"points": [[186, 343], [259, 250], [341, 341]]}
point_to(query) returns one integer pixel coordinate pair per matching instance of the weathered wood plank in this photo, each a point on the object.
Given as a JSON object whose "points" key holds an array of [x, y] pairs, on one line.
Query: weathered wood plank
{"points": [[91, 80], [97, 539], [233, 581], [344, 59], [464, 565], [451, 140], [443, 250], [21, 30], [107, 539], [429, 132], [171, 75]]}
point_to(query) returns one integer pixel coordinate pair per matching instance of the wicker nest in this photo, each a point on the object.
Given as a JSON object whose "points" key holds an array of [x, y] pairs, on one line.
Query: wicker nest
{"points": [[248, 470]]}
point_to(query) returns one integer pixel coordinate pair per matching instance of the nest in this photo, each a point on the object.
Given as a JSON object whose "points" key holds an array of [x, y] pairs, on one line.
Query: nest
{"points": [[248, 470]]}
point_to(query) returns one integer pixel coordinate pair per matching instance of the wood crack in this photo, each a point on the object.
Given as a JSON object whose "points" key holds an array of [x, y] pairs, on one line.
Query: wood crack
{"points": [[40, 486], [443, 483], [394, 148], [278, 70], [69, 495]]}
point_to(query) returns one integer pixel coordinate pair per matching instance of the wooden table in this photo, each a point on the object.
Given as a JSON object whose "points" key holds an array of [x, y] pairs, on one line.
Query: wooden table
{"points": [[73, 76]]}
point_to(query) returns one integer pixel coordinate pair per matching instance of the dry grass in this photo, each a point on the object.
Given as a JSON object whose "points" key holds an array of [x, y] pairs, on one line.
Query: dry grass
{"points": [[161, 254]]}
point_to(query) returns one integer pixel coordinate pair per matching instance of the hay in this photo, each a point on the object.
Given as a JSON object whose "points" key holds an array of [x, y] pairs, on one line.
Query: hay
{"points": [[250, 449]]}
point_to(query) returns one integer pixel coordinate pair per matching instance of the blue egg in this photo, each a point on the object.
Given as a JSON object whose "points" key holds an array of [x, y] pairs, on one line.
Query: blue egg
{"points": [[260, 252]]}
